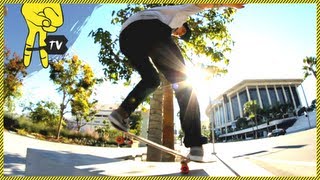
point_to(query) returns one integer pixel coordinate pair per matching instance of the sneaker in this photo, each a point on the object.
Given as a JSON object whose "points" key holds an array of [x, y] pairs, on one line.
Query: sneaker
{"points": [[196, 153], [118, 121]]}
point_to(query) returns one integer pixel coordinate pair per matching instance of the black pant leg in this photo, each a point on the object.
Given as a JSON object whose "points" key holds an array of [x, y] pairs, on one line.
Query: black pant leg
{"points": [[168, 59]]}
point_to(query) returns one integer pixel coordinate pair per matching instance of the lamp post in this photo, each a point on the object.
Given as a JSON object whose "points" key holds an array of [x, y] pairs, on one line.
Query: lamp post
{"points": [[212, 128], [307, 105]]}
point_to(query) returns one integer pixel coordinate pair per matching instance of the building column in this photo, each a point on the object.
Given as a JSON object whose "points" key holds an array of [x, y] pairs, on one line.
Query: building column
{"points": [[217, 116], [268, 95], [225, 111], [231, 109], [294, 102], [299, 97], [284, 94], [275, 89], [259, 97], [239, 105], [248, 93], [220, 116]]}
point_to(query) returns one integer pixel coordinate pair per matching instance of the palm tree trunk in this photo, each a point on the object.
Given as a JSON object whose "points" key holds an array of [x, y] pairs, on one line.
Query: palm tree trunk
{"points": [[168, 129], [155, 125]]}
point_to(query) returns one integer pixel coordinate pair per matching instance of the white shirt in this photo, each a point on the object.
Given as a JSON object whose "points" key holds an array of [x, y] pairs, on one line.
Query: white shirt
{"points": [[173, 16]]}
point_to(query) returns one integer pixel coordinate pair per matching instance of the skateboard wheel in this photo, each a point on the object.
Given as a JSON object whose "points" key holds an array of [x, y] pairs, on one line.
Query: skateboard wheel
{"points": [[184, 169]]}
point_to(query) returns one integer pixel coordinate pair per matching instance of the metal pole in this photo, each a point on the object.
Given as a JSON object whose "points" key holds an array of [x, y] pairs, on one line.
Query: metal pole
{"points": [[306, 104], [213, 137], [212, 128]]}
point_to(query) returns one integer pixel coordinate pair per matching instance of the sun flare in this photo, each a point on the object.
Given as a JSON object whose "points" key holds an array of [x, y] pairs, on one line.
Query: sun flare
{"points": [[198, 78]]}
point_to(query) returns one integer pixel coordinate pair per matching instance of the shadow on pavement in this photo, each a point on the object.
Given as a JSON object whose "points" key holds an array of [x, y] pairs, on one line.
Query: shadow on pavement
{"points": [[290, 146], [12, 163], [249, 154], [62, 163], [53, 163], [196, 172]]}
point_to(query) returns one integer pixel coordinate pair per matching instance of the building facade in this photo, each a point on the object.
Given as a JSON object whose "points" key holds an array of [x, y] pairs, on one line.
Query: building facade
{"points": [[228, 107]]}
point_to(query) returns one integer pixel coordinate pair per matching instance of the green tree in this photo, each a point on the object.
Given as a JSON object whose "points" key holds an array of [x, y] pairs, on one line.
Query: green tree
{"points": [[43, 112], [313, 104], [241, 123], [210, 38], [81, 106], [309, 66], [135, 123], [251, 108], [75, 81], [180, 136], [14, 72]]}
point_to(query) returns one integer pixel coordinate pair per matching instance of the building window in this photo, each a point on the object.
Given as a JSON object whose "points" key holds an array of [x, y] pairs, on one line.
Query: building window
{"points": [[243, 98], [228, 111], [235, 107], [273, 96], [221, 114], [217, 116], [254, 95], [280, 94], [264, 97], [295, 95], [288, 94]]}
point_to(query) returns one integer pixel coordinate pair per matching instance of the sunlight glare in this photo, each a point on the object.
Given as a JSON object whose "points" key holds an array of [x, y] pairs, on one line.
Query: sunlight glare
{"points": [[198, 79]]}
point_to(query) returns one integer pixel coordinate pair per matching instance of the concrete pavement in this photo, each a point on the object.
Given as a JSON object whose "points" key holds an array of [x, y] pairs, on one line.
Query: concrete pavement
{"points": [[36, 157], [27, 156]]}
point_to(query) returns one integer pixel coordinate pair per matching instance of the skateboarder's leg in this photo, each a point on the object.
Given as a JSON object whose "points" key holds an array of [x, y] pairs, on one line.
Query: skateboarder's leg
{"points": [[168, 59], [136, 50], [149, 83]]}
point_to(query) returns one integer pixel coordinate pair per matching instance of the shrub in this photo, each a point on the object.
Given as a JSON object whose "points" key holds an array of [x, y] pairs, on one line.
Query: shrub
{"points": [[22, 132], [10, 122]]}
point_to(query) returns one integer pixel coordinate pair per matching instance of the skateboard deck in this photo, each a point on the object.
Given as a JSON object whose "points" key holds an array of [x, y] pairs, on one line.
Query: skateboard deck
{"points": [[184, 158], [157, 146]]}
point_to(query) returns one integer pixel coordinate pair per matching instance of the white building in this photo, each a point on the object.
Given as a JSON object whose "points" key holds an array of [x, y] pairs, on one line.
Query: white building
{"points": [[225, 109]]}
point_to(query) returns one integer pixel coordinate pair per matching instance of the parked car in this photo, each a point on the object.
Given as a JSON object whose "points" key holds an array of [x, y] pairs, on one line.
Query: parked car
{"points": [[277, 132]]}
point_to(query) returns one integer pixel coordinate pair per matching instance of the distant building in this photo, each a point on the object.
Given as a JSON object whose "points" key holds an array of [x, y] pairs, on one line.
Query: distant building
{"points": [[225, 109], [101, 119]]}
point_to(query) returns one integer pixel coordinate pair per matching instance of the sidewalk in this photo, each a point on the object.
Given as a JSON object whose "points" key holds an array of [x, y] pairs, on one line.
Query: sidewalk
{"points": [[41, 158], [63, 163]]}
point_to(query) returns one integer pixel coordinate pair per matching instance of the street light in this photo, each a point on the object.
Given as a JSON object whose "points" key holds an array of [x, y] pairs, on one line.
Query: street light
{"points": [[307, 105]]}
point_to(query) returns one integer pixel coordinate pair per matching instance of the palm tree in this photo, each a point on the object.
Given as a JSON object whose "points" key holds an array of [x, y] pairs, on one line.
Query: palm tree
{"points": [[310, 66], [168, 113], [251, 108], [161, 122], [155, 125]]}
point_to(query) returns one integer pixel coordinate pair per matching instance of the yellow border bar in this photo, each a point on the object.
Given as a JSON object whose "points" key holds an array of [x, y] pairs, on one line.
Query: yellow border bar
{"points": [[146, 1]]}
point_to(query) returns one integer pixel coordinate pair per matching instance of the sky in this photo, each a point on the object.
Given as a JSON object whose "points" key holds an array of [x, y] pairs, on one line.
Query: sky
{"points": [[270, 42]]}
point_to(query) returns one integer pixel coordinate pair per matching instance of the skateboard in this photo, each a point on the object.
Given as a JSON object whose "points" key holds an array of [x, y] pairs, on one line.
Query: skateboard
{"points": [[184, 159]]}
